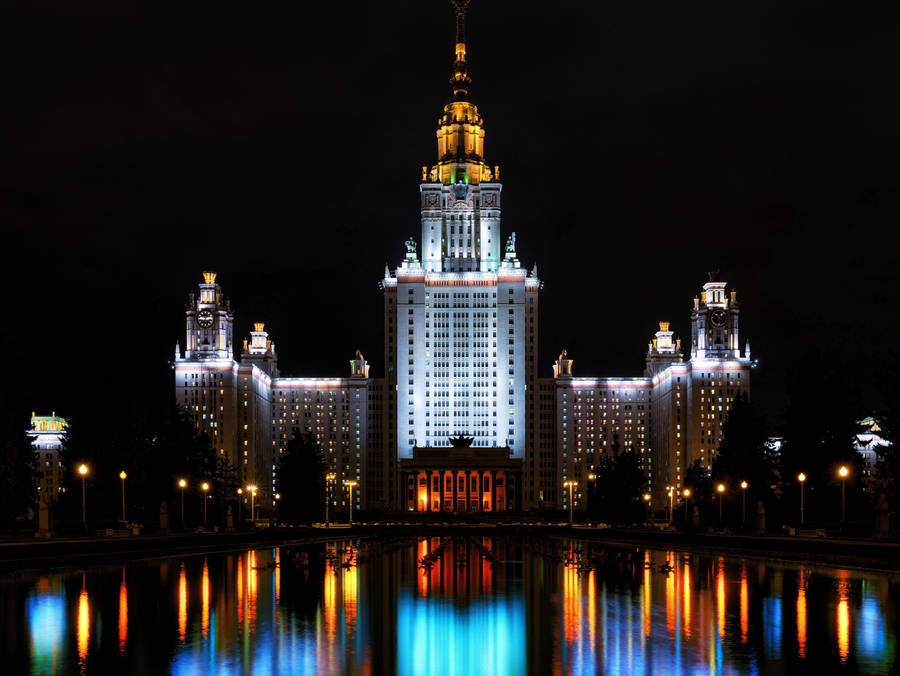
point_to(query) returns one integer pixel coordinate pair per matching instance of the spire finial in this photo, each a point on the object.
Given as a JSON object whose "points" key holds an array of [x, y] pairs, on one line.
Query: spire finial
{"points": [[460, 79]]}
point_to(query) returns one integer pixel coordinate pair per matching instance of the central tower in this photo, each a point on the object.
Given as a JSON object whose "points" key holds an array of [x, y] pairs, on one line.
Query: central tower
{"points": [[461, 313], [460, 194]]}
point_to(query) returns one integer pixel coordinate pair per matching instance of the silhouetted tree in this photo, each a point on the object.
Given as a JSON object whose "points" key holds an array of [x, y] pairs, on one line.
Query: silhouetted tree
{"points": [[617, 494], [18, 473], [886, 479], [743, 456], [300, 479], [820, 425]]}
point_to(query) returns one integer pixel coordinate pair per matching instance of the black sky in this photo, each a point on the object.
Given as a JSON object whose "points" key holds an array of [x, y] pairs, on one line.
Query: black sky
{"points": [[280, 143]]}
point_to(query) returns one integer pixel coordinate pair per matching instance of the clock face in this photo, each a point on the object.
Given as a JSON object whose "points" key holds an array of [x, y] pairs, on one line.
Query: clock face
{"points": [[205, 319], [718, 318]]}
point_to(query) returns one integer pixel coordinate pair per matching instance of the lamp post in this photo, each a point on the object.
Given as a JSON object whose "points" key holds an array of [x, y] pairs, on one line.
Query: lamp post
{"points": [[686, 494], [240, 492], [83, 470], [329, 480], [802, 479], [252, 490], [721, 489], [182, 483], [571, 485], [350, 484], [843, 472], [647, 500], [277, 500], [204, 487], [123, 476], [671, 490], [743, 502], [587, 494]]}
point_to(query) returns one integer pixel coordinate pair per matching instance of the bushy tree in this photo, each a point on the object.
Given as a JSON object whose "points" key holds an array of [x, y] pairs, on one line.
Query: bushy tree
{"points": [[820, 426], [885, 481], [616, 495], [743, 456], [18, 473], [300, 479]]}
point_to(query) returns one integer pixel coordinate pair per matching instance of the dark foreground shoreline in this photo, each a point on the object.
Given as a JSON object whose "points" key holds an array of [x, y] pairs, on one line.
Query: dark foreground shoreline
{"points": [[24, 555]]}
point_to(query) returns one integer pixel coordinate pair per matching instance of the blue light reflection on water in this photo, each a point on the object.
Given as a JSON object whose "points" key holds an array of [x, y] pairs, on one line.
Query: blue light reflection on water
{"points": [[530, 613], [481, 637], [46, 612]]}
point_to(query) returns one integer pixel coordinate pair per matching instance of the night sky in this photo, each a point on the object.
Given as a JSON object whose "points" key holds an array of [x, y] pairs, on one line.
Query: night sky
{"points": [[280, 144]]}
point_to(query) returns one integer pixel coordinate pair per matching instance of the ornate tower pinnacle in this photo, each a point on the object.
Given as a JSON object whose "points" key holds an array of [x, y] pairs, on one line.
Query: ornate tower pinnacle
{"points": [[460, 79]]}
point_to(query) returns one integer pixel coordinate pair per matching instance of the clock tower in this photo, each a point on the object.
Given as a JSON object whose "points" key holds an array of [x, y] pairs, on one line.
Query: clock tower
{"points": [[209, 320], [715, 322]]}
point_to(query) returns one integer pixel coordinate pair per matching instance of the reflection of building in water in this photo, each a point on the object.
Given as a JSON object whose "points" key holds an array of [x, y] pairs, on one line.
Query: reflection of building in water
{"points": [[47, 433]]}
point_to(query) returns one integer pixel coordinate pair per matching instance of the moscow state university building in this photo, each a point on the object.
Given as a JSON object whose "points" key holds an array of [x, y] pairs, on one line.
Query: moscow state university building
{"points": [[458, 419]]}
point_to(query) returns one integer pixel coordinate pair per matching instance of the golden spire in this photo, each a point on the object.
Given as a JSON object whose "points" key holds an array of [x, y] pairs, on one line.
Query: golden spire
{"points": [[460, 80], [664, 326], [259, 327], [209, 277]]}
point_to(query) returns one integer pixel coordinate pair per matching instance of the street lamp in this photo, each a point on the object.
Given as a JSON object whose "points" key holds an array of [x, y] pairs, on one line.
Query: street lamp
{"points": [[123, 476], [647, 500], [671, 490], [204, 487], [721, 489], [571, 485], [686, 493], [329, 479], [743, 502], [252, 490], [240, 492], [182, 483], [843, 472], [83, 470], [802, 479], [587, 494], [350, 484]]}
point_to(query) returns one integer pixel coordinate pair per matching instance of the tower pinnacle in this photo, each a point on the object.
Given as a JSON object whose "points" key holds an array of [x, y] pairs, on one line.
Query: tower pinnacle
{"points": [[460, 79]]}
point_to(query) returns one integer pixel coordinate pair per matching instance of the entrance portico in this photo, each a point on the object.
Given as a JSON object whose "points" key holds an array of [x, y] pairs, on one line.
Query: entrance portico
{"points": [[461, 479]]}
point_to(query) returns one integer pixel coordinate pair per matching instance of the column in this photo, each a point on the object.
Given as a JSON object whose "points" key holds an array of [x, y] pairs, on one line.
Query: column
{"points": [[428, 490], [493, 490], [468, 499], [455, 490]]}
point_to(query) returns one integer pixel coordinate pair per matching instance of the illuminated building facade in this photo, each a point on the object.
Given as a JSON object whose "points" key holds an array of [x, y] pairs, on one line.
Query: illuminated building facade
{"points": [[670, 417], [460, 362], [250, 412], [461, 317], [47, 433]]}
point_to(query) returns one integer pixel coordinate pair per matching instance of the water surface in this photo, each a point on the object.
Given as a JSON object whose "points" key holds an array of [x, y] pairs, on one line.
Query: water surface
{"points": [[477, 606]]}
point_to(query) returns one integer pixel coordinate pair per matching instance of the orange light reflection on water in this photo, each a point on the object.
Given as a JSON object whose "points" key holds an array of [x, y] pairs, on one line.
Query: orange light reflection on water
{"points": [[251, 588], [423, 573], [670, 595], [720, 596], [204, 591], [182, 604], [745, 604], [349, 581], [686, 596], [330, 604], [843, 615], [646, 592], [240, 589], [801, 615], [84, 625], [123, 615]]}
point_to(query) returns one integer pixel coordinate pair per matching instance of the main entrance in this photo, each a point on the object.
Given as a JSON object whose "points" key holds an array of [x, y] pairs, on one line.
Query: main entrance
{"points": [[461, 479]]}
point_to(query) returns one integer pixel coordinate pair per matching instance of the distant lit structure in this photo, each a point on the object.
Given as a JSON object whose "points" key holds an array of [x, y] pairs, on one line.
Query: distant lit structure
{"points": [[868, 442], [47, 434]]}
